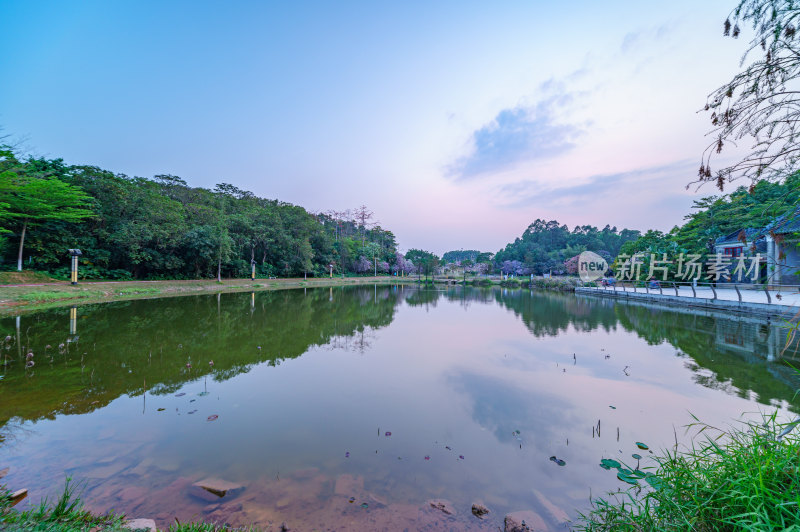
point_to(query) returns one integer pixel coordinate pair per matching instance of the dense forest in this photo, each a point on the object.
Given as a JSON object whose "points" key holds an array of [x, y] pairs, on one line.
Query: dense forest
{"points": [[133, 227], [716, 216], [546, 245]]}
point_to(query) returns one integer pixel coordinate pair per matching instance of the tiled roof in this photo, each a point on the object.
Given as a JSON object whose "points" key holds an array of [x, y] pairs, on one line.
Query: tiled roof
{"points": [[750, 234], [787, 223]]}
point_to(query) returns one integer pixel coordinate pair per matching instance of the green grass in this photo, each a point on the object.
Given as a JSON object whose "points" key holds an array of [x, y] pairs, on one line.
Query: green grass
{"points": [[67, 514], [44, 296], [745, 478], [64, 515], [139, 290]]}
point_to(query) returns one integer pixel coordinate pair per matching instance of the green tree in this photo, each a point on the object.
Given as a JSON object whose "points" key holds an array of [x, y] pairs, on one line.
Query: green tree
{"points": [[425, 261], [33, 199]]}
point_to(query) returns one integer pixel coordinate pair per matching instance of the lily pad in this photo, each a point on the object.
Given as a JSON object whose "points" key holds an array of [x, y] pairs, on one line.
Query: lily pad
{"points": [[213, 417], [364, 505], [642, 446], [612, 407], [352, 500], [161, 409], [203, 394], [626, 478], [180, 394], [609, 463], [637, 456], [558, 461]]}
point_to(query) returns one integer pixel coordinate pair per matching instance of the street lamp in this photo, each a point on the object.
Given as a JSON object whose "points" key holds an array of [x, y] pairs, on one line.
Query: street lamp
{"points": [[74, 253]]}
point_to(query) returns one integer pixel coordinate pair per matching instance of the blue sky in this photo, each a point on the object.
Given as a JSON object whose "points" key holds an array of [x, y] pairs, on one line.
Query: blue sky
{"points": [[458, 123]]}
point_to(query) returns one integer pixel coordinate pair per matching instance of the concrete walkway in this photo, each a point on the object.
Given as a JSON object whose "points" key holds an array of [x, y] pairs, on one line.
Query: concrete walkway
{"points": [[781, 302]]}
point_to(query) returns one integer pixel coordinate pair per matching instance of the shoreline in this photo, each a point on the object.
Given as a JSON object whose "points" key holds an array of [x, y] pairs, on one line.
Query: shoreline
{"points": [[17, 299]]}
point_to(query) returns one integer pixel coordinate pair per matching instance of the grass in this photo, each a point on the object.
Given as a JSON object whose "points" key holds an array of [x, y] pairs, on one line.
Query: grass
{"points": [[745, 478], [67, 514], [139, 290], [39, 296], [64, 515], [25, 276]]}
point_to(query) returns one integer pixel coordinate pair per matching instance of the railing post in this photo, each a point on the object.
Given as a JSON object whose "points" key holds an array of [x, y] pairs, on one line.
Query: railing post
{"points": [[713, 291], [736, 286], [694, 292], [766, 291], [675, 286], [660, 290]]}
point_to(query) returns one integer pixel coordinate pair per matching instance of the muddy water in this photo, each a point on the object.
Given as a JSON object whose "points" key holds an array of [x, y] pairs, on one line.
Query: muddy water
{"points": [[354, 408]]}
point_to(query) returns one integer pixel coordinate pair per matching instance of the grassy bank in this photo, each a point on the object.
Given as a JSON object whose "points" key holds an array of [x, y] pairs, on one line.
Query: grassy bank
{"points": [[46, 293], [67, 514], [746, 478]]}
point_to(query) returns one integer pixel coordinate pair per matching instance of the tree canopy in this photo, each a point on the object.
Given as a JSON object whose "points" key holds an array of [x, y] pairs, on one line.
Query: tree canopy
{"points": [[141, 228], [546, 245]]}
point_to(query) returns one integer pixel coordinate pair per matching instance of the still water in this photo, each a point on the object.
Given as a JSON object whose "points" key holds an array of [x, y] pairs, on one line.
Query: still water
{"points": [[351, 408]]}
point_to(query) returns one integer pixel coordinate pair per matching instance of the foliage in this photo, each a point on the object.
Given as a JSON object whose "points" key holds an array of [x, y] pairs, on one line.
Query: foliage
{"points": [[31, 195], [161, 228], [460, 255], [425, 261], [760, 103], [740, 479], [545, 245], [716, 216]]}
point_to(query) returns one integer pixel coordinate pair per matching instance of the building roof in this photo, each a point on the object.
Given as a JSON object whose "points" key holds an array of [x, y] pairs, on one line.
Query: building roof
{"points": [[787, 223], [733, 238]]}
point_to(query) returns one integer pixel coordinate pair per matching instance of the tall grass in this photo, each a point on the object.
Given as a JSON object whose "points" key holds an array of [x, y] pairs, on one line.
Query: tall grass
{"points": [[745, 478]]}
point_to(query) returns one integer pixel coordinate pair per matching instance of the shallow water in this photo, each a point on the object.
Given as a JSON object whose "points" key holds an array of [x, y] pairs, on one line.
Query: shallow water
{"points": [[369, 393]]}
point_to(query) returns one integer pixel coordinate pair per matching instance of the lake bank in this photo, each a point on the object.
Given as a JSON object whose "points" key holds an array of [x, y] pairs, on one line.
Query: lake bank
{"points": [[38, 292], [18, 298]]}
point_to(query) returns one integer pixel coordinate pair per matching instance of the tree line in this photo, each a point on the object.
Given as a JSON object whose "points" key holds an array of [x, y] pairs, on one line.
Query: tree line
{"points": [[752, 207], [162, 228], [546, 245]]}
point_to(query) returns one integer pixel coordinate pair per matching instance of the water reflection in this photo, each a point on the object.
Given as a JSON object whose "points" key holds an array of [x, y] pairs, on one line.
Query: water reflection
{"points": [[303, 386]]}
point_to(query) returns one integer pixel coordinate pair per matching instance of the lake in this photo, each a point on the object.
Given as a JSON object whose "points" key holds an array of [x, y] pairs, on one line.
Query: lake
{"points": [[352, 408]]}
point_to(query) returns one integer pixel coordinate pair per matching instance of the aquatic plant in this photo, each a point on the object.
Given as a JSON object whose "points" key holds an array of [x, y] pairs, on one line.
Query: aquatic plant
{"points": [[744, 478], [66, 513]]}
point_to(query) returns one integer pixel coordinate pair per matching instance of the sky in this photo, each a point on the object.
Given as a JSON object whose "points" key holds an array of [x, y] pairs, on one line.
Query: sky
{"points": [[458, 123]]}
